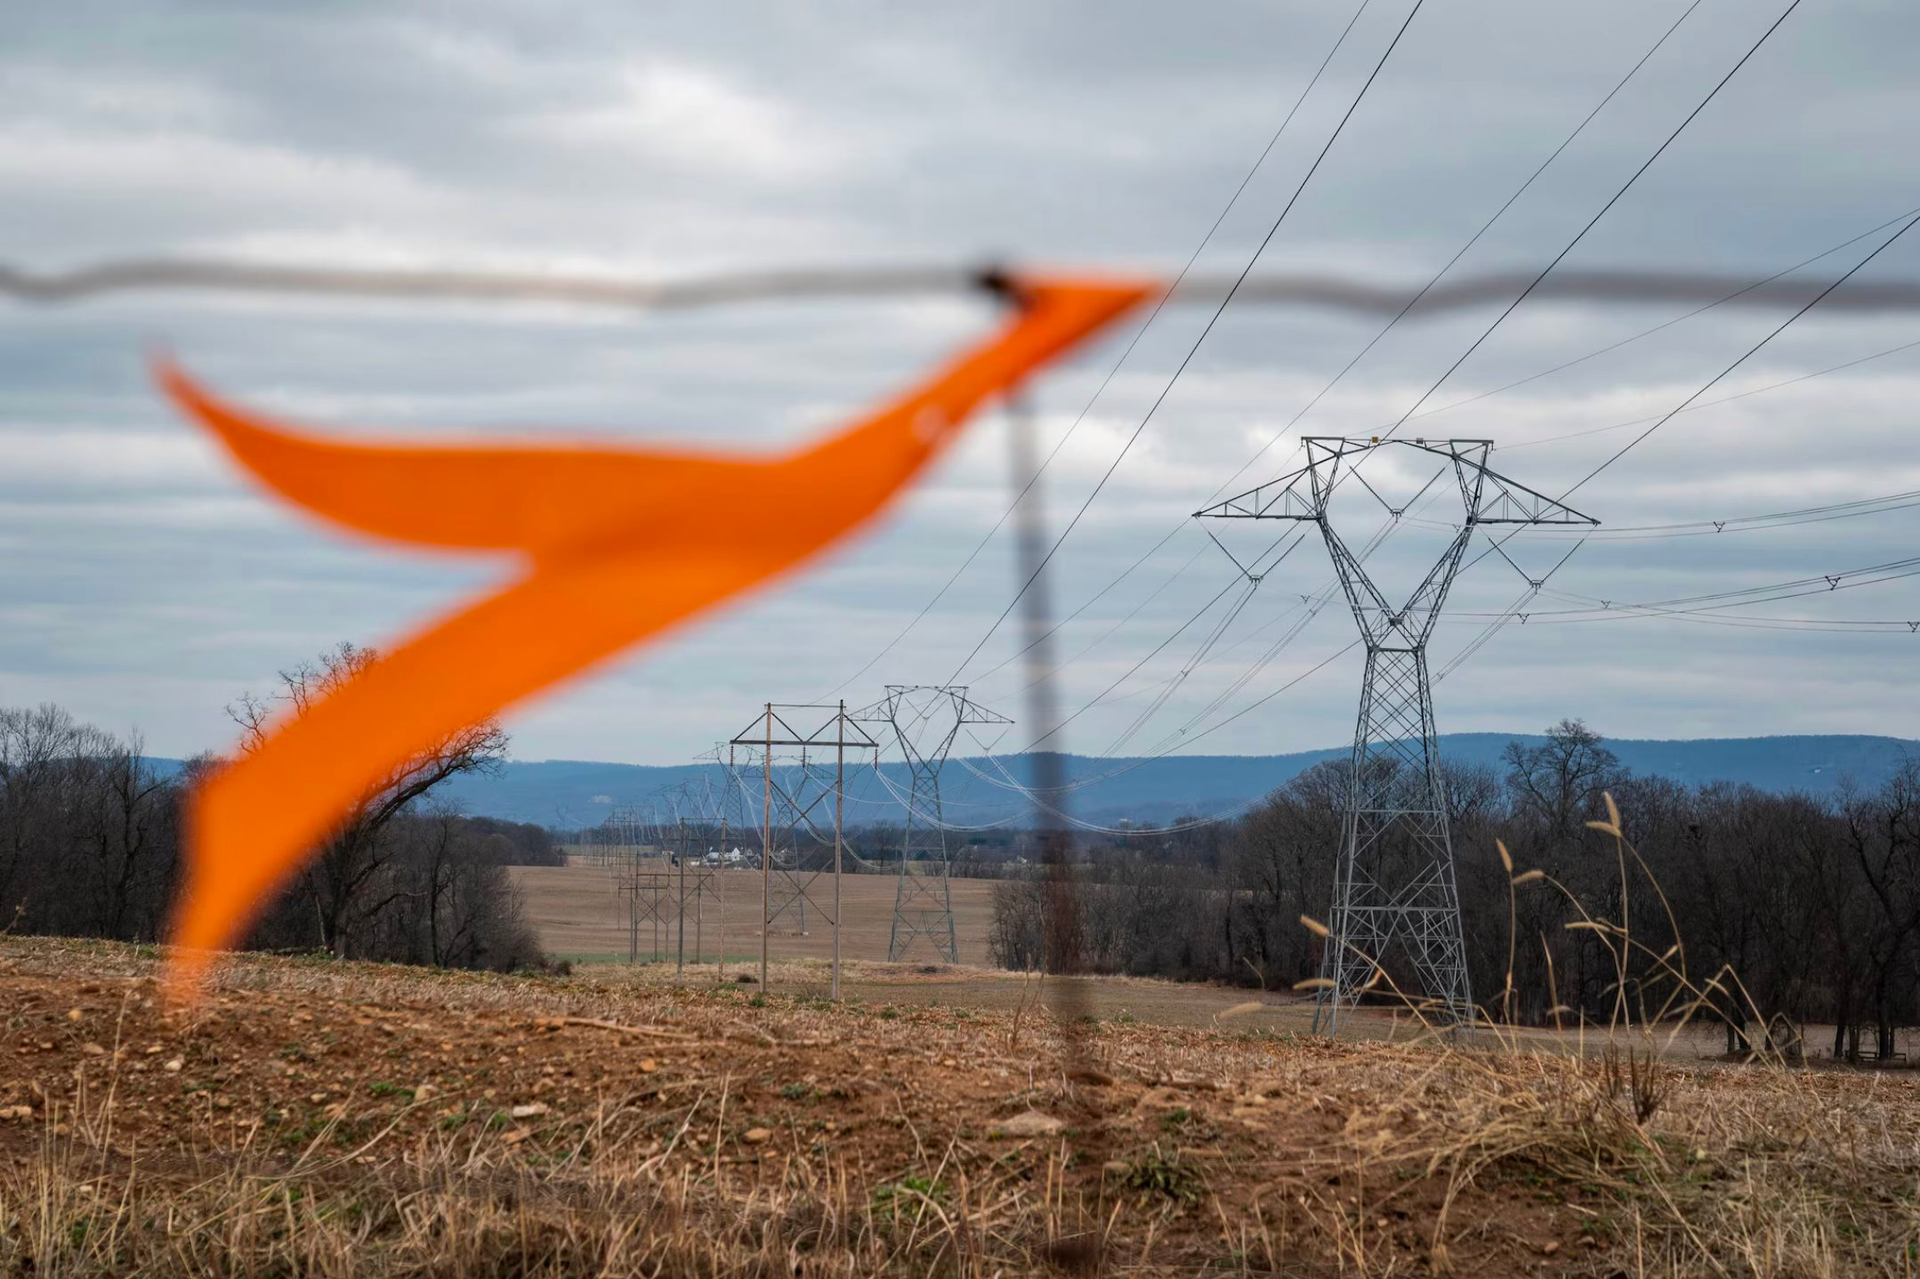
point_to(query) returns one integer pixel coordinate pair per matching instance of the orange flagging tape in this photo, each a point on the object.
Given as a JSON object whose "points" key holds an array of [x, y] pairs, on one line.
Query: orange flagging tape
{"points": [[619, 544]]}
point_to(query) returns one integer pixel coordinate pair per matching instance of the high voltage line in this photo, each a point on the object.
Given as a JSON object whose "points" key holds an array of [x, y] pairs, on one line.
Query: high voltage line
{"points": [[1684, 607], [1459, 253], [1742, 523], [1725, 298], [1612, 611], [1535, 585], [1154, 314], [1530, 288], [1708, 527], [1212, 320], [1526, 292], [1819, 584], [1725, 399], [1623, 610], [1547, 270], [1411, 303]]}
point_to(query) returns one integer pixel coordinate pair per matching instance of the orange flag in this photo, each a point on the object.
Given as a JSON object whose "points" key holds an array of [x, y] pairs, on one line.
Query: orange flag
{"points": [[619, 545]]}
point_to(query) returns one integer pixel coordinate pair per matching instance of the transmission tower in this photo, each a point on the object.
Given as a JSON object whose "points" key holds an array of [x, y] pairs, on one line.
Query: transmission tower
{"points": [[638, 875], [925, 718], [1394, 882], [802, 810]]}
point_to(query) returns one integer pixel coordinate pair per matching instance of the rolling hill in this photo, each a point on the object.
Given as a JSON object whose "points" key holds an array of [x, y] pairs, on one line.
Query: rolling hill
{"points": [[572, 793]]}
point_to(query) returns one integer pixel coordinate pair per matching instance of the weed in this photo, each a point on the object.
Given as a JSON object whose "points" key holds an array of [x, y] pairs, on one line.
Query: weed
{"points": [[1156, 1173], [1637, 1076], [907, 1199]]}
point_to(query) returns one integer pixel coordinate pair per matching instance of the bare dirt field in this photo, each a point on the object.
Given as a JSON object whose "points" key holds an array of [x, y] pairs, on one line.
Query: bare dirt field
{"points": [[581, 915], [317, 1117]]}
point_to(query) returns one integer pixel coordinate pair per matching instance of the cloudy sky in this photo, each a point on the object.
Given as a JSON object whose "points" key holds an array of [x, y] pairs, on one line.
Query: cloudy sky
{"points": [[145, 584]]}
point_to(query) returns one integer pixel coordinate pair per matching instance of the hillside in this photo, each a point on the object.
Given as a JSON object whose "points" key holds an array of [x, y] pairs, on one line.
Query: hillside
{"points": [[568, 793], [316, 1117]]}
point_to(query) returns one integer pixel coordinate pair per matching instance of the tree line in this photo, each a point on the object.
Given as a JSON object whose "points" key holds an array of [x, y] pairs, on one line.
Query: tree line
{"points": [[92, 837], [1784, 909]]}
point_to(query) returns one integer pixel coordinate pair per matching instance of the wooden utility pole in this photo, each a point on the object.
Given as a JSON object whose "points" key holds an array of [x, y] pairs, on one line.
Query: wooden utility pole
{"points": [[766, 847], [839, 815], [724, 850], [680, 968], [633, 904]]}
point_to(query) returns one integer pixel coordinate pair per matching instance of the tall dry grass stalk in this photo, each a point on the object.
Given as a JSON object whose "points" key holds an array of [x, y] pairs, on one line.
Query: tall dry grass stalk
{"points": [[1795, 1202]]}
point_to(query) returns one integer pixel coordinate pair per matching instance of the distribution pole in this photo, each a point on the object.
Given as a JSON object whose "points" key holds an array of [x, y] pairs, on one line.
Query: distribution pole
{"points": [[839, 828], [633, 902], [724, 808], [766, 848], [680, 968], [654, 886], [1394, 883]]}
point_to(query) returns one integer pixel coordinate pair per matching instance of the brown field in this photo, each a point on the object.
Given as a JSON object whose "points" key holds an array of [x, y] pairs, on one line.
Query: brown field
{"points": [[326, 1118], [580, 917], [579, 913]]}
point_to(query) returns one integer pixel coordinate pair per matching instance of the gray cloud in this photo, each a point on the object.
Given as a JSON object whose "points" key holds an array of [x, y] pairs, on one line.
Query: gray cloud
{"points": [[147, 584]]}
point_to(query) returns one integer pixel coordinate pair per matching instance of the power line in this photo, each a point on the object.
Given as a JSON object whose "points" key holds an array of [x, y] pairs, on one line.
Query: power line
{"points": [[1831, 582], [1531, 286], [1591, 222], [1315, 605], [1139, 333], [1547, 270], [1534, 586], [1188, 358], [1091, 600], [1817, 584], [1462, 250], [1746, 290], [1149, 758], [1666, 324], [1133, 613], [1744, 523], [1810, 304], [1157, 648], [1725, 399]]}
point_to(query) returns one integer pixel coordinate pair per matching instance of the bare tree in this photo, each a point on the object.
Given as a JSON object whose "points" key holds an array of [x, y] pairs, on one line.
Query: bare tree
{"points": [[1561, 779], [347, 885], [132, 834], [1883, 836]]}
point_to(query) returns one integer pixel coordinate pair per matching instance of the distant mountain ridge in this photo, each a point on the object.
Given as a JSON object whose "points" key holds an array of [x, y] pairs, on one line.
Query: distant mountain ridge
{"points": [[572, 793]]}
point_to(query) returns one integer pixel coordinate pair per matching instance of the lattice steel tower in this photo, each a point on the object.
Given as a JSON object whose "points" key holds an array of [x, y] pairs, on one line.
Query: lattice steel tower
{"points": [[1394, 882], [926, 718]]}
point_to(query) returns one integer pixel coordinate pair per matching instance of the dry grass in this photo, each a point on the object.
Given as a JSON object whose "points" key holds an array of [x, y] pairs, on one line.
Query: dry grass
{"points": [[356, 1119]]}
